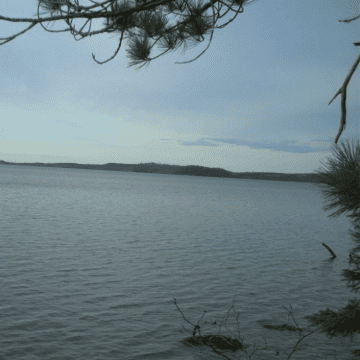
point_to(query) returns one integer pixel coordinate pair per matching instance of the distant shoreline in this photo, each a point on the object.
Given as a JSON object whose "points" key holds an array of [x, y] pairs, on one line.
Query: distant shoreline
{"points": [[192, 170]]}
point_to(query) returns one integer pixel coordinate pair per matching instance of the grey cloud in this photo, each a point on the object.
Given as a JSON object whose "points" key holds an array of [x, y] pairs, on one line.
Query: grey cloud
{"points": [[199, 142], [285, 146]]}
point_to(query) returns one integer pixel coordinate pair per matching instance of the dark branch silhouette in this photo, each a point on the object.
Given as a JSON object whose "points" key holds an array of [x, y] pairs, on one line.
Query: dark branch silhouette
{"points": [[145, 23]]}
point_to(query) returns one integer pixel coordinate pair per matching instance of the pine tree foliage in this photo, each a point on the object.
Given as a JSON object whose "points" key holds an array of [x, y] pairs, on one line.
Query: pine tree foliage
{"points": [[145, 23], [340, 182], [346, 322], [340, 179]]}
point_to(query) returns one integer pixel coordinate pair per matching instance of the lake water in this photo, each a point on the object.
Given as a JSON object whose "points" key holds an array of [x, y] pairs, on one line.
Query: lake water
{"points": [[90, 262]]}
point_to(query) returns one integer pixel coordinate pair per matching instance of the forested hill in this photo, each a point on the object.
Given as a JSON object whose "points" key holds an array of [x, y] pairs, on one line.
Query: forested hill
{"points": [[192, 170]]}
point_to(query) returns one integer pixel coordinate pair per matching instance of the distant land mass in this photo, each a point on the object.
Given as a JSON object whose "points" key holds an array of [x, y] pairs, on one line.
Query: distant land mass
{"points": [[192, 170]]}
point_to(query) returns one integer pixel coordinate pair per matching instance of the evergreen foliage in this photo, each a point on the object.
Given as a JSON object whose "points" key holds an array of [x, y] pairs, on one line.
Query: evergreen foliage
{"points": [[145, 23], [340, 182]]}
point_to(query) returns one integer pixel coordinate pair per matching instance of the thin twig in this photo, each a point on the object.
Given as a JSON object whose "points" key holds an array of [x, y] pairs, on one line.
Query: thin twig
{"points": [[298, 342], [342, 91], [301, 337], [331, 252], [351, 19]]}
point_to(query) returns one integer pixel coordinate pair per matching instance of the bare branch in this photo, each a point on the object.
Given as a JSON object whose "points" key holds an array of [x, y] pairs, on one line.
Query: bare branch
{"points": [[301, 337], [117, 50], [204, 340], [330, 251], [10, 38], [185, 317], [95, 15], [342, 91], [351, 19]]}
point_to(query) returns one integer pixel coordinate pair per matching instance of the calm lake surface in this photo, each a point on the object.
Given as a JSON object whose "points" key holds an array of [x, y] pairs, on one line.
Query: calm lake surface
{"points": [[90, 262]]}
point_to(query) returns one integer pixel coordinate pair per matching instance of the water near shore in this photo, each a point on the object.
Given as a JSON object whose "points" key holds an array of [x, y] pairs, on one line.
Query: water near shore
{"points": [[91, 261]]}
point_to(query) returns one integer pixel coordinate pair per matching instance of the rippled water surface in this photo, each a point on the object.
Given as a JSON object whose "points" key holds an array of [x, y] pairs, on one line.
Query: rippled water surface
{"points": [[91, 261]]}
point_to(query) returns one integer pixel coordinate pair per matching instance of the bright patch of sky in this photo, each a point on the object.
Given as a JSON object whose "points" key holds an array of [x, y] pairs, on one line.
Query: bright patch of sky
{"points": [[256, 100]]}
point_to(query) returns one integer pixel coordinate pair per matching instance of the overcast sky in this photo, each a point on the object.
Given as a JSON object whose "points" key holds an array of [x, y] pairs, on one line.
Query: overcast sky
{"points": [[256, 100]]}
